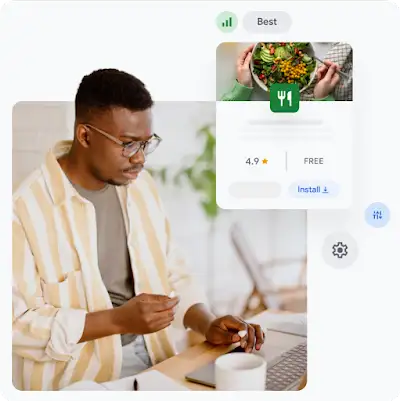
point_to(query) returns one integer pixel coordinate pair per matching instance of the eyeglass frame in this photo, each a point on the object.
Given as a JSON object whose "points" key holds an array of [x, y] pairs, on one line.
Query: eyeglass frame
{"points": [[142, 144]]}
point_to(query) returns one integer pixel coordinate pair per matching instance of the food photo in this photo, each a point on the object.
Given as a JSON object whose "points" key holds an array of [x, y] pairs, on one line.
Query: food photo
{"points": [[246, 71], [283, 63]]}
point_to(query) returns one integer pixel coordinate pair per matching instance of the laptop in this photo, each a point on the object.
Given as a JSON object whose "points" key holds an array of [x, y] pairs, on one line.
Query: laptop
{"points": [[285, 351]]}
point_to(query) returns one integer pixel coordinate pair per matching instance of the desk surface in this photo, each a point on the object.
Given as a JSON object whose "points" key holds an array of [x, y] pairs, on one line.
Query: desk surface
{"points": [[199, 355]]}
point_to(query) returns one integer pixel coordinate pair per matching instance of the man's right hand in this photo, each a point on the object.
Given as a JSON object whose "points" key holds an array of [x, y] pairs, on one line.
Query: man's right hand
{"points": [[145, 313]]}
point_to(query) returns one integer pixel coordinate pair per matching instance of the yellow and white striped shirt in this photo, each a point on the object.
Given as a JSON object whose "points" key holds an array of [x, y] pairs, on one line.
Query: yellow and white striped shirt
{"points": [[56, 279]]}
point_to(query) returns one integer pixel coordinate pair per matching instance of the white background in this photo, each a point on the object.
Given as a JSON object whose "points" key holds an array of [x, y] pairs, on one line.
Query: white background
{"points": [[353, 313]]}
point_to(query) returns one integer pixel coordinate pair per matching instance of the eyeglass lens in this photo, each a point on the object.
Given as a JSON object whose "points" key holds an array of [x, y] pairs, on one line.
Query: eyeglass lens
{"points": [[148, 147]]}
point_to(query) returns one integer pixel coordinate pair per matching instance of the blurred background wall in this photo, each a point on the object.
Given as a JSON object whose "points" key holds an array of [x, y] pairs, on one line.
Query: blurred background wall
{"points": [[275, 239]]}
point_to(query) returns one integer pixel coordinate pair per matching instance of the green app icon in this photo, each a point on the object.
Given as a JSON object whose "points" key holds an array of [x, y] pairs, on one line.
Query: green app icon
{"points": [[285, 98], [227, 21]]}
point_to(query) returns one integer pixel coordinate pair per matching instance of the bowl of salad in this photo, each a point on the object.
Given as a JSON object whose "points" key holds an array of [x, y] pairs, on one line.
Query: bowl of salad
{"points": [[283, 62]]}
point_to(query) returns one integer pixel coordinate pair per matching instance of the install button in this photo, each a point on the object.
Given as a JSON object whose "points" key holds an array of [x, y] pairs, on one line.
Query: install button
{"points": [[267, 21], [320, 189]]}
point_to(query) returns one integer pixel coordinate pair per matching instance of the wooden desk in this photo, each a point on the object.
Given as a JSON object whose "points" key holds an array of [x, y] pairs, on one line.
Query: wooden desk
{"points": [[199, 355]]}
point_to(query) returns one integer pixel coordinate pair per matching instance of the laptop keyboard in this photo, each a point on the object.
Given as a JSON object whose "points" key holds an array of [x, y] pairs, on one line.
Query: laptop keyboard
{"points": [[288, 369]]}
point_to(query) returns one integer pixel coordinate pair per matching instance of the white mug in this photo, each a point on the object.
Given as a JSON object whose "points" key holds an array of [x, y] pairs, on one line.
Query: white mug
{"points": [[240, 372]]}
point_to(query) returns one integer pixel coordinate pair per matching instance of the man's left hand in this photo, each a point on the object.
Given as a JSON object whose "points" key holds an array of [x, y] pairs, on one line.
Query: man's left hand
{"points": [[224, 331]]}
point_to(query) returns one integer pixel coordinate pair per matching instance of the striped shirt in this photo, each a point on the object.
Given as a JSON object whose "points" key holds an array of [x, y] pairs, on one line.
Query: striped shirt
{"points": [[56, 279]]}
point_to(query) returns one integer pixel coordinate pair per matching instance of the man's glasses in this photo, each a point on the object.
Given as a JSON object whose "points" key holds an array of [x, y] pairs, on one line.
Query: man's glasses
{"points": [[131, 148]]}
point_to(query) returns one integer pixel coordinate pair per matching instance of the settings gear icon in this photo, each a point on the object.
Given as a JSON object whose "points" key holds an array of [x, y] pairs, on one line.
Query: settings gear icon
{"points": [[339, 250]]}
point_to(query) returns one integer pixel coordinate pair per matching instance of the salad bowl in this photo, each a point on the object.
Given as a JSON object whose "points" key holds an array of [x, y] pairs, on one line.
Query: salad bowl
{"points": [[283, 62]]}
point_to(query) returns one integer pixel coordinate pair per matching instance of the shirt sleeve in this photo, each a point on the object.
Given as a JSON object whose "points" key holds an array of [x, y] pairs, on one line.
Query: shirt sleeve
{"points": [[182, 281], [238, 92], [40, 332]]}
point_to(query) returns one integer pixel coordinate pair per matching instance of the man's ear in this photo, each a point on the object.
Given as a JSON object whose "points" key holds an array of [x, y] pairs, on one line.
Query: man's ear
{"points": [[83, 135]]}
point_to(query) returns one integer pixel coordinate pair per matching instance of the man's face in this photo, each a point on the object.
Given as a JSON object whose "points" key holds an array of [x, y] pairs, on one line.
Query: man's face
{"points": [[105, 157]]}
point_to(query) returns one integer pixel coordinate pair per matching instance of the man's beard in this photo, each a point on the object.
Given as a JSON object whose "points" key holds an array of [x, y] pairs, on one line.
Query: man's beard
{"points": [[107, 181], [111, 181]]}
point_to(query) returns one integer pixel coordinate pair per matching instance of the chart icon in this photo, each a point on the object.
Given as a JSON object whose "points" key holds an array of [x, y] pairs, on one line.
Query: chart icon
{"points": [[227, 21]]}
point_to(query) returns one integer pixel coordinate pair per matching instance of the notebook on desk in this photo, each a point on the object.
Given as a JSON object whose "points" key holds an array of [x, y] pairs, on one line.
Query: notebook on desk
{"points": [[289, 328], [147, 381]]}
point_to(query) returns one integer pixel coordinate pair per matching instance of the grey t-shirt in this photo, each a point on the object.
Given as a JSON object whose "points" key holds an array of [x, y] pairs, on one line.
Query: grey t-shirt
{"points": [[112, 249]]}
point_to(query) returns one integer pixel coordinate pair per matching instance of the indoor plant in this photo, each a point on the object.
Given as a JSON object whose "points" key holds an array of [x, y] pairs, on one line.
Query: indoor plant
{"points": [[199, 172]]}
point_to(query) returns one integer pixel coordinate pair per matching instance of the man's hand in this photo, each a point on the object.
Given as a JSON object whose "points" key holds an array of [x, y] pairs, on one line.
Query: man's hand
{"points": [[225, 330], [328, 78], [145, 313], [243, 67]]}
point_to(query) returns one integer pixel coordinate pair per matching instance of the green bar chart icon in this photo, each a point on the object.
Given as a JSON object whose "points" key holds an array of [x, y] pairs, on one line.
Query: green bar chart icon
{"points": [[227, 21]]}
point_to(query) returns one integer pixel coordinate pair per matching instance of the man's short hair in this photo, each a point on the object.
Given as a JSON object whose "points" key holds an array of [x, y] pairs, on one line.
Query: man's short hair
{"points": [[108, 88]]}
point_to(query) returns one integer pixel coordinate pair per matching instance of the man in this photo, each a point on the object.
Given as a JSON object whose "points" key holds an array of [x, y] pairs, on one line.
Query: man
{"points": [[94, 261]]}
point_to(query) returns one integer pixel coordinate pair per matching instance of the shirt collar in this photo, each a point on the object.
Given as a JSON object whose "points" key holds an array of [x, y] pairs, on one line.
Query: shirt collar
{"points": [[58, 185]]}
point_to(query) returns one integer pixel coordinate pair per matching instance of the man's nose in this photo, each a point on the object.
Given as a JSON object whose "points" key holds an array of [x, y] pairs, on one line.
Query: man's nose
{"points": [[138, 158]]}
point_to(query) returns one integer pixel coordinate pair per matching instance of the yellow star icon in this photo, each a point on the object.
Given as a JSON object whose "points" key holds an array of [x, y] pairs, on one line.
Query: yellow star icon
{"points": [[265, 161]]}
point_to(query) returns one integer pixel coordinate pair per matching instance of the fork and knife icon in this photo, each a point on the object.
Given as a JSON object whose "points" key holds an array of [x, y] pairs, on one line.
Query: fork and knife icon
{"points": [[282, 97]]}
